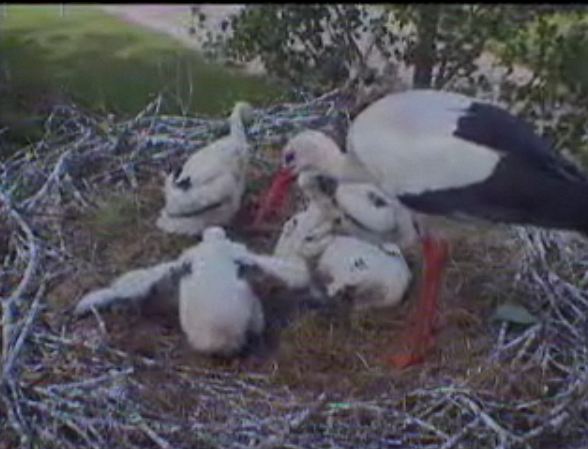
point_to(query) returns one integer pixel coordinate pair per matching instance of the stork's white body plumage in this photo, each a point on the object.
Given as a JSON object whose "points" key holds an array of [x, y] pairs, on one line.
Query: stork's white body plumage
{"points": [[358, 200], [219, 318], [208, 189], [219, 311], [369, 275], [426, 154], [372, 216]]}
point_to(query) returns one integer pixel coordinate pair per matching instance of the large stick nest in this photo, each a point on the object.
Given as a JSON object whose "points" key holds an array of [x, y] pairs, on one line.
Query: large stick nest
{"points": [[115, 381]]}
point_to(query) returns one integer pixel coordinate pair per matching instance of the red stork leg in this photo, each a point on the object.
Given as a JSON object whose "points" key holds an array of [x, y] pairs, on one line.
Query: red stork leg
{"points": [[425, 316]]}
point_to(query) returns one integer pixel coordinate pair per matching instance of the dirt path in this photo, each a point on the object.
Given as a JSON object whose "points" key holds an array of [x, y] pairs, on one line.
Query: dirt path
{"points": [[175, 20], [171, 19]]}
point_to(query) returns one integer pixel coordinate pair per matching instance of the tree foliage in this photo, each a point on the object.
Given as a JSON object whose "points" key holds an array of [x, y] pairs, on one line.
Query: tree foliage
{"points": [[316, 47], [555, 98]]}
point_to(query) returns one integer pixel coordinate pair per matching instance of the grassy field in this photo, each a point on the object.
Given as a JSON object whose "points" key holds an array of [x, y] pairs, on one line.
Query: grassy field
{"points": [[106, 65]]}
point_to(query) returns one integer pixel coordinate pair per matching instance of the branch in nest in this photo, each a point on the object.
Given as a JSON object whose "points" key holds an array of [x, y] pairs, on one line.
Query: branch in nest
{"points": [[70, 422], [16, 418], [455, 439], [503, 435], [162, 443], [10, 305], [11, 344], [53, 179], [294, 423], [13, 351]]}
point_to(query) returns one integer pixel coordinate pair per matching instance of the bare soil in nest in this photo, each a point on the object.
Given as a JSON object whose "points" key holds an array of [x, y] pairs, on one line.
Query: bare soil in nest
{"points": [[316, 355]]}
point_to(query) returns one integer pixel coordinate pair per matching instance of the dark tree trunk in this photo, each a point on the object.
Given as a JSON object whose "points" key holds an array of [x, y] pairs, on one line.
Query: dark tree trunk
{"points": [[425, 51]]}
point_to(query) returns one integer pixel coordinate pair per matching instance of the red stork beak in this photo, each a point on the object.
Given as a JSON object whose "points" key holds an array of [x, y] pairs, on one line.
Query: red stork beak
{"points": [[275, 199]]}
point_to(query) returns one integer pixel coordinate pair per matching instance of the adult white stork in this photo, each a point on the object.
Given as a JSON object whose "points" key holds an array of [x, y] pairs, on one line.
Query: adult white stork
{"points": [[449, 155]]}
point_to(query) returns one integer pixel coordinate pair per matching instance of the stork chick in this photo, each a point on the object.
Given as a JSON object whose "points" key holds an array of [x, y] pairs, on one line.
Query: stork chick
{"points": [[371, 276], [217, 294], [208, 189]]}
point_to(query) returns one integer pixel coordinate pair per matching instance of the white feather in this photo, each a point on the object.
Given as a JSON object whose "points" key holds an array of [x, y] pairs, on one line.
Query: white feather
{"points": [[216, 178], [354, 200], [381, 279], [406, 142], [316, 153], [133, 286], [293, 273], [218, 318], [304, 235], [217, 309], [403, 143], [378, 278], [363, 219], [353, 208]]}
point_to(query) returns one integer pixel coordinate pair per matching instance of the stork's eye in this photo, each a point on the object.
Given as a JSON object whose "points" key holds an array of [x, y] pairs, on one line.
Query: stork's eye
{"points": [[289, 158]]}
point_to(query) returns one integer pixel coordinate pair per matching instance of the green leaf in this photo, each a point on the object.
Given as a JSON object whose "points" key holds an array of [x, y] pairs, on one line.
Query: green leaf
{"points": [[514, 313]]}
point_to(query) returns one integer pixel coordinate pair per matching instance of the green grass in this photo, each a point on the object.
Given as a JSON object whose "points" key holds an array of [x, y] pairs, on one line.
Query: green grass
{"points": [[107, 65]]}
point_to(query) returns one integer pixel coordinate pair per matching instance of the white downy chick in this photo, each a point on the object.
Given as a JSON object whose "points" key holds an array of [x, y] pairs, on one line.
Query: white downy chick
{"points": [[208, 189]]}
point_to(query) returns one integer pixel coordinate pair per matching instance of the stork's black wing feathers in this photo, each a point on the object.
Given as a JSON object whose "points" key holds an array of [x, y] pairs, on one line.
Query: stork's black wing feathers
{"points": [[517, 193], [496, 128]]}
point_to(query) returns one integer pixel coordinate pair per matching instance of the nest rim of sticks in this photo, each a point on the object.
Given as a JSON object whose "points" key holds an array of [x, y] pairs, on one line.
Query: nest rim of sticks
{"points": [[60, 176]]}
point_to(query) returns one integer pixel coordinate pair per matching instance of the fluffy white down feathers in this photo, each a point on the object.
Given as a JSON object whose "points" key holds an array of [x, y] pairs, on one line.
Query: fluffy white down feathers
{"points": [[374, 276], [208, 189], [358, 208], [305, 235], [133, 286], [218, 310]]}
